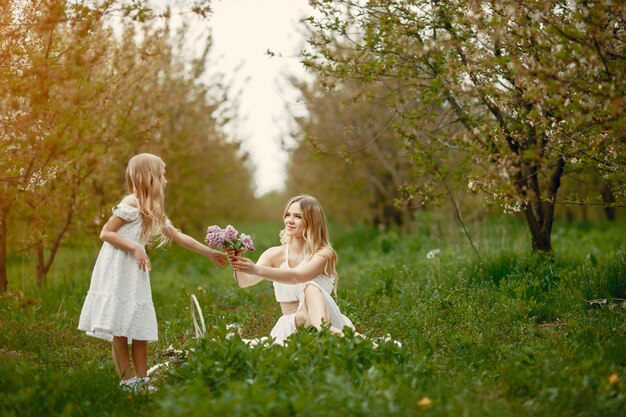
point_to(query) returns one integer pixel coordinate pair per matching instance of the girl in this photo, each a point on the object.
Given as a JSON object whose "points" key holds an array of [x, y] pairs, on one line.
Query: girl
{"points": [[302, 269], [118, 306]]}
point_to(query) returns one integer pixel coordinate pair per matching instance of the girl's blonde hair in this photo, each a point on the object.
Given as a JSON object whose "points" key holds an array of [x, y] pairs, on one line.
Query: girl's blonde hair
{"points": [[145, 177], [316, 233]]}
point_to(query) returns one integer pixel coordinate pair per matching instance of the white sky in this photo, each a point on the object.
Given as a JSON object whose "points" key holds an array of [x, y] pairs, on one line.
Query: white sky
{"points": [[243, 32]]}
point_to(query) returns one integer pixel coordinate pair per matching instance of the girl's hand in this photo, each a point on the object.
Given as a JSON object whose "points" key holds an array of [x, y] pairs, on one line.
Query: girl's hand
{"points": [[241, 264], [218, 258], [142, 259], [232, 253]]}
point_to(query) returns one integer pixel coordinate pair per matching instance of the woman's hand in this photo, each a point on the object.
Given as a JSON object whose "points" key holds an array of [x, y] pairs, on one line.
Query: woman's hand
{"points": [[142, 259], [245, 265], [218, 258], [232, 253]]}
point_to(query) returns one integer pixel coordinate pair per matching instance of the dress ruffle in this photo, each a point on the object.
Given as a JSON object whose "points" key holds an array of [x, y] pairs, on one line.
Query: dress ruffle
{"points": [[107, 315], [126, 212], [286, 324], [119, 300]]}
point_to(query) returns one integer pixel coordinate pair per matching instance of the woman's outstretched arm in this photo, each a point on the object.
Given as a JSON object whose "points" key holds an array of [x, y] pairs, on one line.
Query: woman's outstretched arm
{"points": [[267, 259], [302, 273]]}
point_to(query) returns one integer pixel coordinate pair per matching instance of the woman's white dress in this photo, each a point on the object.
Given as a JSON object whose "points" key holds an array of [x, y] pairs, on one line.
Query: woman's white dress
{"points": [[119, 300], [286, 324]]}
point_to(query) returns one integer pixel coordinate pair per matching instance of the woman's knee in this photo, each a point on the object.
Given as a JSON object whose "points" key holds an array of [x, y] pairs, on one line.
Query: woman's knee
{"points": [[312, 291], [302, 318], [316, 304]]}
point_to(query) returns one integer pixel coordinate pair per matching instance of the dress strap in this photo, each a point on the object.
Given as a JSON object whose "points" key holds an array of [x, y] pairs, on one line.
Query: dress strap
{"points": [[287, 255]]}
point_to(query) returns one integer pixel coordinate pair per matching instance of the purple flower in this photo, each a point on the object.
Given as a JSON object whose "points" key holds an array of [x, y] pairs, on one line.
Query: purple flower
{"points": [[214, 236], [228, 238], [230, 233], [213, 230], [246, 241]]}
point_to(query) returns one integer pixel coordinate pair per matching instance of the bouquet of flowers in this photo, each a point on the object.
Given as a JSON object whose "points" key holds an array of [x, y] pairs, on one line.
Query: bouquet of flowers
{"points": [[228, 238]]}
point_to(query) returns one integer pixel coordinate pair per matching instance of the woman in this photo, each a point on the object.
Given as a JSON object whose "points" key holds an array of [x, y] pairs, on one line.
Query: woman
{"points": [[302, 270]]}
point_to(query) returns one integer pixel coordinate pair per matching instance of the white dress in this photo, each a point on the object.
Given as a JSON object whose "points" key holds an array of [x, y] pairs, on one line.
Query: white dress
{"points": [[119, 300], [286, 324]]}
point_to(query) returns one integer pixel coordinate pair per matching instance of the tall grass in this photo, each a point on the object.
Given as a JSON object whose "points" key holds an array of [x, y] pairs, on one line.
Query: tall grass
{"points": [[515, 334]]}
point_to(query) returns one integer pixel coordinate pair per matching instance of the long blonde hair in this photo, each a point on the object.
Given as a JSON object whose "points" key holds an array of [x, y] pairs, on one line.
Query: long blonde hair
{"points": [[145, 178], [316, 233]]}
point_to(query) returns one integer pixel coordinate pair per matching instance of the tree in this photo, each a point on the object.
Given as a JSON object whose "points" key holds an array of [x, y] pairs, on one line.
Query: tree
{"points": [[534, 85], [51, 112], [348, 156], [77, 102], [204, 166]]}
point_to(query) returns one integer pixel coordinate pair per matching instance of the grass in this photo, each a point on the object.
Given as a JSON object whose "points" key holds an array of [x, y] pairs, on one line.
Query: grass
{"points": [[511, 335]]}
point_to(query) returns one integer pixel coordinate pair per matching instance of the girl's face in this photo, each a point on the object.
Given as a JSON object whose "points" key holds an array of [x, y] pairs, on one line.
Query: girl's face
{"points": [[294, 223]]}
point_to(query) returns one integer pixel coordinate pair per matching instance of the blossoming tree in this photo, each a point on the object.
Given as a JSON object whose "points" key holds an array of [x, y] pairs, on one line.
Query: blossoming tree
{"points": [[78, 100], [535, 87]]}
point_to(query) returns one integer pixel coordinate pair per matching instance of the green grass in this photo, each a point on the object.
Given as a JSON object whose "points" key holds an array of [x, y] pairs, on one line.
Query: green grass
{"points": [[511, 335]]}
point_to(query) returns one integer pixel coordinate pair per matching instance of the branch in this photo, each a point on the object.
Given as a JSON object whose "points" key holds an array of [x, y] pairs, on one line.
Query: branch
{"points": [[495, 110], [458, 216]]}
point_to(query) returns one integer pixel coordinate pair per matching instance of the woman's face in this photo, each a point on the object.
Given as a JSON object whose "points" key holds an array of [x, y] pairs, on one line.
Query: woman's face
{"points": [[294, 223]]}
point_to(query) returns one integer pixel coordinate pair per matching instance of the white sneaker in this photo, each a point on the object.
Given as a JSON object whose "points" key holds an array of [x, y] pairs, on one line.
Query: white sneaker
{"points": [[136, 384], [128, 384], [144, 384]]}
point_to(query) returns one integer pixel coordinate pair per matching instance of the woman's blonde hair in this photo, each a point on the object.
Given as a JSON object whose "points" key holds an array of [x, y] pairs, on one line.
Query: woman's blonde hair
{"points": [[316, 233], [145, 178]]}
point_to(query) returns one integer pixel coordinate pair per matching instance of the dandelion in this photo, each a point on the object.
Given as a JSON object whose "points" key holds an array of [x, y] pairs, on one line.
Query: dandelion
{"points": [[435, 265], [425, 403], [613, 378]]}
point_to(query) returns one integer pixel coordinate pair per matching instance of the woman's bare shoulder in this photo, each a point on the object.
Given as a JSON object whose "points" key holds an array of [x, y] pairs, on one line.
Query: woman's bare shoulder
{"points": [[326, 251], [274, 256]]}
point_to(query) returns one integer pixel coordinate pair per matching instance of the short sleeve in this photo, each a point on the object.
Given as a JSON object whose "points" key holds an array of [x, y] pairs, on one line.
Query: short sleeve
{"points": [[126, 212], [167, 224]]}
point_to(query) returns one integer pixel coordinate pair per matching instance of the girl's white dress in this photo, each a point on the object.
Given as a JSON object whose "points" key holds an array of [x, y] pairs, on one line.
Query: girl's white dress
{"points": [[119, 300], [286, 324]]}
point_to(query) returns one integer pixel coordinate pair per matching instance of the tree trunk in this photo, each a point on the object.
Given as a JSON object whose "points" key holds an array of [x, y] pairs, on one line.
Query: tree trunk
{"points": [[4, 279], [43, 265], [540, 215], [608, 200], [539, 223], [540, 236]]}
